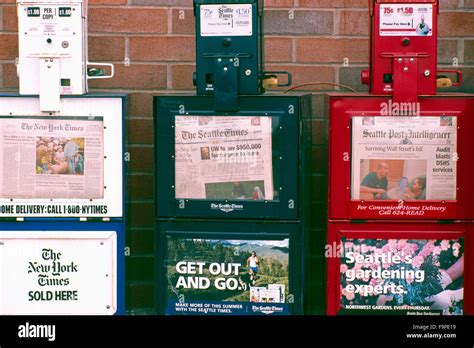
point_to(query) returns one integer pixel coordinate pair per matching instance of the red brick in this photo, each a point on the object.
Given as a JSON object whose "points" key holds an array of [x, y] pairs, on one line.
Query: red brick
{"points": [[354, 23], [350, 76], [333, 3], [319, 50], [183, 76], [448, 4], [136, 76], [469, 51], [10, 18], [278, 49], [140, 105], [318, 103], [140, 295], [163, 48], [319, 162], [10, 78], [139, 268], [469, 3], [141, 214], [140, 187], [447, 50], [306, 74], [140, 131], [188, 3], [141, 159], [456, 24], [183, 21], [318, 130], [302, 22], [142, 241], [108, 48], [128, 20], [107, 2], [279, 3], [8, 46]]}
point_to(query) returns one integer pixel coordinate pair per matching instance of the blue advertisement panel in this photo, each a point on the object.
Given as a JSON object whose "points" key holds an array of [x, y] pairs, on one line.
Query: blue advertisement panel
{"points": [[227, 277]]}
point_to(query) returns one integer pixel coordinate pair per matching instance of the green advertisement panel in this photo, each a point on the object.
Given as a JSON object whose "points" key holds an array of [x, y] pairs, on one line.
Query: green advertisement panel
{"points": [[227, 277]]}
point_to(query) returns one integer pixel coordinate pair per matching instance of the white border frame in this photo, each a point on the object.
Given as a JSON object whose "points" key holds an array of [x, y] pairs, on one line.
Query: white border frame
{"points": [[107, 237], [110, 108]]}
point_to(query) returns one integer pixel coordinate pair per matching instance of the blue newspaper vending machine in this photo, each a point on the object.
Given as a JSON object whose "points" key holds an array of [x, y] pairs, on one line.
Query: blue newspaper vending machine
{"points": [[62, 211]]}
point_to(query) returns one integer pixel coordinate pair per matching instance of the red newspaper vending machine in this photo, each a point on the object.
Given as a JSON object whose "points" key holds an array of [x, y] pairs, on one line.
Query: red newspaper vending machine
{"points": [[401, 194]]}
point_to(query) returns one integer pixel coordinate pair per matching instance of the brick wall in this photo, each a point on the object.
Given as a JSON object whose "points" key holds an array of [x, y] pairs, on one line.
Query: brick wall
{"points": [[309, 38]]}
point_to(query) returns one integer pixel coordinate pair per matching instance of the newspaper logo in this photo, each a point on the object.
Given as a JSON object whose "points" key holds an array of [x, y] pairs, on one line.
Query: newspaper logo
{"points": [[226, 13], [267, 309], [226, 208]]}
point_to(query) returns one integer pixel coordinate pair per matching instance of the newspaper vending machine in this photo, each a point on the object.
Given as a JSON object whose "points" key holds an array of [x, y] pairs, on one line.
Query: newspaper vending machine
{"points": [[52, 58], [62, 212], [399, 167], [231, 177]]}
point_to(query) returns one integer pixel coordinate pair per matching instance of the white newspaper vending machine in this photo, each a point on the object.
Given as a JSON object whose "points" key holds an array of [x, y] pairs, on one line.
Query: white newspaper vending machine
{"points": [[62, 212], [52, 59]]}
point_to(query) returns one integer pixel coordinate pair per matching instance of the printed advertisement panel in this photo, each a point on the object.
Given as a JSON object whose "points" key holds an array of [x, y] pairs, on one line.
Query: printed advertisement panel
{"points": [[404, 158], [227, 277], [50, 19], [58, 273], [226, 20], [406, 19], [224, 157], [413, 277]]}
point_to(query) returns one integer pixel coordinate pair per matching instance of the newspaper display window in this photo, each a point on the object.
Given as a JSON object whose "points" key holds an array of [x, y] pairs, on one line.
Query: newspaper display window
{"points": [[51, 157], [66, 165], [226, 158], [404, 158]]}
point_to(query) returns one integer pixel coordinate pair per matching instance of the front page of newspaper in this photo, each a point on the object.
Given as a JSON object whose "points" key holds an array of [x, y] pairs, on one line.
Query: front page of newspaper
{"points": [[404, 158], [51, 157], [223, 157]]}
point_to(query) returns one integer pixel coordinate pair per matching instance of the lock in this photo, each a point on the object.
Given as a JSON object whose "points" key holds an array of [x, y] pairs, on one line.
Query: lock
{"points": [[55, 31]]}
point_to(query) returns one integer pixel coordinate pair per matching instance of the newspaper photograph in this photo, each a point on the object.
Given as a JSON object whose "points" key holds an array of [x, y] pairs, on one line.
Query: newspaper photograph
{"points": [[51, 157], [223, 157], [404, 158]]}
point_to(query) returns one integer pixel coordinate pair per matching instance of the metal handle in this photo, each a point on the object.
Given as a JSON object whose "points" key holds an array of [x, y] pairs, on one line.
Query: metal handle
{"points": [[112, 71], [458, 74]]}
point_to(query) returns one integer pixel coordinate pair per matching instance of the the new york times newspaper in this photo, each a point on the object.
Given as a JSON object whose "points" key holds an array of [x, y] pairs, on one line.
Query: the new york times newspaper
{"points": [[404, 158], [223, 157], [51, 157]]}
